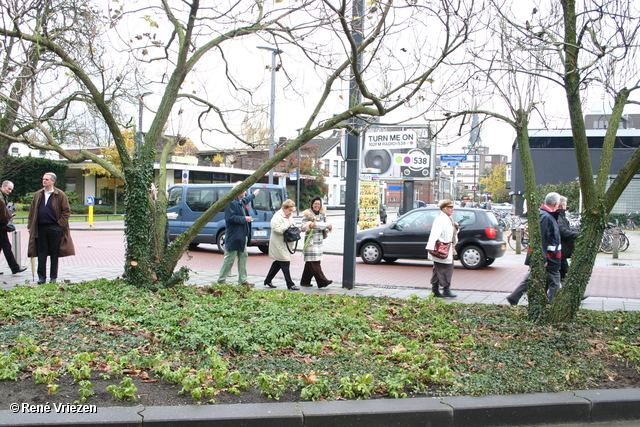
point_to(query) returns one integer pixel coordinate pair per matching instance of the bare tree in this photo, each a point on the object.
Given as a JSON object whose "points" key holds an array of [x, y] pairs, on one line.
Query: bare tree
{"points": [[181, 42], [577, 47]]}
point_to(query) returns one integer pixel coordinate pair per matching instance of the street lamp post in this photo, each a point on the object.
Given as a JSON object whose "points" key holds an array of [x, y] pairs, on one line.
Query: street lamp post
{"points": [[298, 180], [272, 103], [140, 111]]}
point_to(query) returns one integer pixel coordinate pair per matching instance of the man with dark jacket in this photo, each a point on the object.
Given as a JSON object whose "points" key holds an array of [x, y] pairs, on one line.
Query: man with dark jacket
{"points": [[238, 231], [48, 224], [551, 247], [567, 237], [5, 217]]}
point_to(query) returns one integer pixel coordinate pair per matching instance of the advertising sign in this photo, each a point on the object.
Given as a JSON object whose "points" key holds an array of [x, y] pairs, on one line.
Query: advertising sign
{"points": [[399, 152], [369, 206]]}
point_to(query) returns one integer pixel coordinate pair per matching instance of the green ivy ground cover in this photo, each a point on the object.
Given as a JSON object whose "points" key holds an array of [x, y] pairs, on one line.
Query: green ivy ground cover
{"points": [[225, 339]]}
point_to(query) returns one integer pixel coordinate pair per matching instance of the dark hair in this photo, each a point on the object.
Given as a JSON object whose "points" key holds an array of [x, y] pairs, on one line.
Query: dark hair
{"points": [[314, 199]]}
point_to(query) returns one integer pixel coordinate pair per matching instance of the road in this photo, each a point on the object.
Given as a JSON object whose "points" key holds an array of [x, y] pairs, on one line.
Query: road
{"points": [[102, 246]]}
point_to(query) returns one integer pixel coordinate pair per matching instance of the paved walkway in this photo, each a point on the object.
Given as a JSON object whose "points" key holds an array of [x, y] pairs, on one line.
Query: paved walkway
{"points": [[89, 263]]}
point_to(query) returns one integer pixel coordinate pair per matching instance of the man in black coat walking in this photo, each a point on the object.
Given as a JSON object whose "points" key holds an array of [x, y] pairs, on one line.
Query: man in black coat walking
{"points": [[238, 231]]}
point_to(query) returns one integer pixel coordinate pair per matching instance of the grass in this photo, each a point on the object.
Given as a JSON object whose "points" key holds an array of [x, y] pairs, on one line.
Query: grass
{"points": [[227, 339]]}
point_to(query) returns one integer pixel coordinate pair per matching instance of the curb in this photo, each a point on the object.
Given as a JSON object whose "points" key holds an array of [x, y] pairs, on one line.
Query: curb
{"points": [[584, 406]]}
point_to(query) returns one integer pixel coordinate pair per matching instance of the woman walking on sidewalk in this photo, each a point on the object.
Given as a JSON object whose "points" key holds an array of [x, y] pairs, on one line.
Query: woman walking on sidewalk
{"points": [[446, 231], [278, 248], [314, 222]]}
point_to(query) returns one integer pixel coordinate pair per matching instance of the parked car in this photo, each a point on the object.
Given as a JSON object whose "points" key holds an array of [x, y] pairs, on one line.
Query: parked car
{"points": [[383, 214], [479, 239], [416, 204]]}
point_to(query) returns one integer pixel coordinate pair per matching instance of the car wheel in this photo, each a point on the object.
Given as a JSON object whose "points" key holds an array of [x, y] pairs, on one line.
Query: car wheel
{"points": [[221, 240], [264, 248], [371, 253], [472, 257], [489, 261], [390, 260], [193, 245]]}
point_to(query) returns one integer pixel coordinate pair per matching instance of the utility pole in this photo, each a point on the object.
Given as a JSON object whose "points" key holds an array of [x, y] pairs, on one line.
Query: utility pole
{"points": [[272, 104], [353, 161]]}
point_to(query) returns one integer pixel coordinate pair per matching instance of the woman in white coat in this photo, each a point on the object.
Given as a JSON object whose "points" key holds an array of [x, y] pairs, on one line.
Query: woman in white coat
{"points": [[278, 248], [445, 230]]}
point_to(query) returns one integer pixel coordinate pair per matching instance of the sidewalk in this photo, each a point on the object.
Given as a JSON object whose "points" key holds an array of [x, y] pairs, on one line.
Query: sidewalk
{"points": [[84, 268], [586, 407]]}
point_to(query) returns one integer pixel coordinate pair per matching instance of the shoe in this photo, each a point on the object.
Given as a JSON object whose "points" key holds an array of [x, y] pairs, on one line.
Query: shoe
{"points": [[53, 280], [306, 286], [512, 302], [224, 282], [247, 284], [20, 270], [41, 282], [270, 285], [447, 293], [326, 284], [1, 272], [294, 288], [436, 293]]}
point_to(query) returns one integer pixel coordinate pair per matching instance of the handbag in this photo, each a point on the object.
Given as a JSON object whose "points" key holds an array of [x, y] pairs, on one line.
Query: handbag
{"points": [[440, 250], [292, 234]]}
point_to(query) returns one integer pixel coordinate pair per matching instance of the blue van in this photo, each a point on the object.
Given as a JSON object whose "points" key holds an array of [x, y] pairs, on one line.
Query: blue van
{"points": [[187, 202]]}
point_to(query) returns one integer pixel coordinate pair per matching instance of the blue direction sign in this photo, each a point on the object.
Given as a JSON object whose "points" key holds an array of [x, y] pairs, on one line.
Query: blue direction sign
{"points": [[89, 201], [453, 158], [453, 163]]}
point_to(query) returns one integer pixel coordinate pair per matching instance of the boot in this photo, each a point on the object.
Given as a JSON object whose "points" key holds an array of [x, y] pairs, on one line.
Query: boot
{"points": [[447, 293], [436, 292]]}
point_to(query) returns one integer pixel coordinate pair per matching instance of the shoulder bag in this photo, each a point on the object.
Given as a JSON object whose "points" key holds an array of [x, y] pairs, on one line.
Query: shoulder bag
{"points": [[292, 234], [440, 250]]}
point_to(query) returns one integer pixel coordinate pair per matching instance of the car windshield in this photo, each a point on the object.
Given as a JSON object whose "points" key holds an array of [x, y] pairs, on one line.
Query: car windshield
{"points": [[417, 219], [464, 217]]}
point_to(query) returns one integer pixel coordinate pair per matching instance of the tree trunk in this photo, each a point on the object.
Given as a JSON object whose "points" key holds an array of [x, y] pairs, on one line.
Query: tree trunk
{"points": [[536, 286]]}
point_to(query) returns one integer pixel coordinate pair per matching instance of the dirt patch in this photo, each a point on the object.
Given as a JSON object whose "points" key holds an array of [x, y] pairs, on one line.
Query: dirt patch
{"points": [[162, 393]]}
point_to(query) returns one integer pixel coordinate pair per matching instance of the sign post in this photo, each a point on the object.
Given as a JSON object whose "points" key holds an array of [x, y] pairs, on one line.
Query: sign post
{"points": [[90, 204]]}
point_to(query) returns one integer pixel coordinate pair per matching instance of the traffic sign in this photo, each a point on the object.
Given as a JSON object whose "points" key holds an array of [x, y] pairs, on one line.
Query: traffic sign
{"points": [[453, 158], [89, 201], [453, 164]]}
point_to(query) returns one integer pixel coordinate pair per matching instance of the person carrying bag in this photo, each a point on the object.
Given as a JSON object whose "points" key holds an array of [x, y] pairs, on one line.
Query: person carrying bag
{"points": [[444, 235]]}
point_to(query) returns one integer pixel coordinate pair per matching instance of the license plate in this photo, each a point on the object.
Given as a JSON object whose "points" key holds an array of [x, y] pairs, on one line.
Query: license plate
{"points": [[260, 233]]}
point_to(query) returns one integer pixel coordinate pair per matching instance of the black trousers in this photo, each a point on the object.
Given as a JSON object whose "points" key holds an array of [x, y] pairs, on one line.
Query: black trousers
{"points": [[277, 266], [48, 245], [313, 269], [564, 267], [5, 246]]}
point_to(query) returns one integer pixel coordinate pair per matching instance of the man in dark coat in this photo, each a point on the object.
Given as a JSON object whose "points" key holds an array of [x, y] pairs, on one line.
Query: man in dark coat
{"points": [[5, 217], [551, 248], [567, 237], [48, 224], [238, 231]]}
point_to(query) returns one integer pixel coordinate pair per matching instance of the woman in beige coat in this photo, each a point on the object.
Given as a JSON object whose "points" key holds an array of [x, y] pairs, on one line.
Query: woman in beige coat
{"points": [[278, 248]]}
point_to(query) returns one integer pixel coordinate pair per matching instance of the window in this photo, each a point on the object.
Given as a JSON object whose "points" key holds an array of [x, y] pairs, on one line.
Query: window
{"points": [[175, 196], [342, 174], [326, 165], [41, 153], [268, 200], [335, 168], [14, 151], [200, 199]]}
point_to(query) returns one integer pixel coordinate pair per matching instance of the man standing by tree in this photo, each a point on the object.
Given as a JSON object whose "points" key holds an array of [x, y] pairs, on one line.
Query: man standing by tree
{"points": [[238, 232], [551, 248], [48, 225], [5, 244]]}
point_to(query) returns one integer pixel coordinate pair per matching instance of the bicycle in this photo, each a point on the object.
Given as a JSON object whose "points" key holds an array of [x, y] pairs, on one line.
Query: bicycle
{"points": [[524, 242], [606, 245]]}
